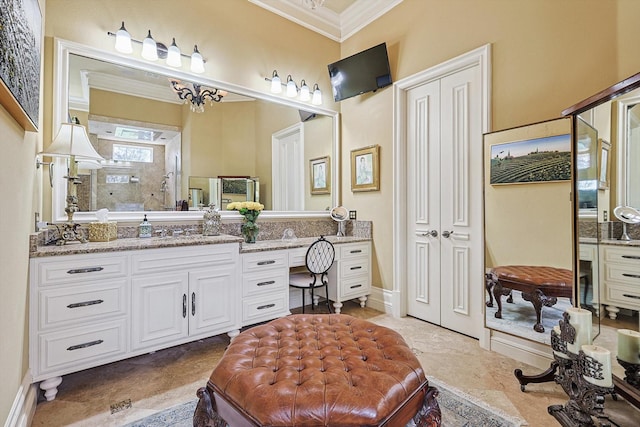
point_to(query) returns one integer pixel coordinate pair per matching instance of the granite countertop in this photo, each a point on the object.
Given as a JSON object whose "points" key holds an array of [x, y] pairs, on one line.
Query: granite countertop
{"points": [[135, 243]]}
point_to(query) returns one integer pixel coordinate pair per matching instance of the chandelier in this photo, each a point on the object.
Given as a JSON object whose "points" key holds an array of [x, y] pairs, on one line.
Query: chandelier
{"points": [[196, 97], [313, 4]]}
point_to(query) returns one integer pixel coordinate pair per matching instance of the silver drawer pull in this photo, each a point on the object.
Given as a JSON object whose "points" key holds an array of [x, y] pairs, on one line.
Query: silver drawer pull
{"points": [[85, 345], [355, 251], [85, 303], [356, 267], [631, 296], [85, 270], [262, 307], [355, 286], [635, 276], [266, 262], [270, 282], [631, 256]]}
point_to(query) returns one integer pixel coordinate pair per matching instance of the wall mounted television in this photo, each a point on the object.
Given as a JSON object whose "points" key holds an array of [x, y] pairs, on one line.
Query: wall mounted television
{"points": [[366, 71]]}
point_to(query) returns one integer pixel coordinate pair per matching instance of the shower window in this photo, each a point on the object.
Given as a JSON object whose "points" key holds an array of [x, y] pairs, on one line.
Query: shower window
{"points": [[132, 153]]}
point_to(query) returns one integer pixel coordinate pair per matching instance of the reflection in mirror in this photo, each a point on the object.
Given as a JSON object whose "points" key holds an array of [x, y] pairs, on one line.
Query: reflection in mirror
{"points": [[129, 109], [528, 245], [221, 191], [611, 263]]}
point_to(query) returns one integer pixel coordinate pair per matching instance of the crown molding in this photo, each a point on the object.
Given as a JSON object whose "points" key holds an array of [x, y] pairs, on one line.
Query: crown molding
{"points": [[324, 21]]}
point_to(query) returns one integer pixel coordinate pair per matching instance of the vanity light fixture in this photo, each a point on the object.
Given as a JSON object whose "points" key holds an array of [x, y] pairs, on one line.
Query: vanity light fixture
{"points": [[152, 50], [292, 90], [196, 97], [72, 143]]}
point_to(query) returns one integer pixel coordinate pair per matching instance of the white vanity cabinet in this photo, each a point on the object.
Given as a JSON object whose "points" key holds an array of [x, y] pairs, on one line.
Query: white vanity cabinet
{"points": [[90, 309], [181, 295], [351, 273], [265, 286], [621, 278]]}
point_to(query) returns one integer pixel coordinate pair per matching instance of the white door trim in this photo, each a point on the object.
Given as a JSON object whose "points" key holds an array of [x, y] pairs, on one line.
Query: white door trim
{"points": [[480, 56]]}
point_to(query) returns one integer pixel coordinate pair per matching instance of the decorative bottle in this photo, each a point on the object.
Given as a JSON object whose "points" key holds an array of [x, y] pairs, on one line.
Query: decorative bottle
{"points": [[145, 228], [212, 221]]}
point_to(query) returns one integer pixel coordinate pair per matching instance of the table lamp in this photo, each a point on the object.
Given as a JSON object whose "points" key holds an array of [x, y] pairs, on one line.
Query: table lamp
{"points": [[72, 142]]}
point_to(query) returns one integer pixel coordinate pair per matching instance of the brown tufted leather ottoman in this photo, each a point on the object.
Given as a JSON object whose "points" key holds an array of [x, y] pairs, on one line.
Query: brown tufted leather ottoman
{"points": [[317, 370], [539, 285]]}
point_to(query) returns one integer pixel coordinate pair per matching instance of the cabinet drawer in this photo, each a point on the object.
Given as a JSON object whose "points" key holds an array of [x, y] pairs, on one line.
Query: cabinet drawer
{"points": [[260, 309], [264, 282], [622, 255], [623, 273], [183, 258], [588, 252], [355, 287], [626, 296], [264, 260], [354, 267], [297, 257], [353, 250], [78, 269], [75, 349], [59, 306]]}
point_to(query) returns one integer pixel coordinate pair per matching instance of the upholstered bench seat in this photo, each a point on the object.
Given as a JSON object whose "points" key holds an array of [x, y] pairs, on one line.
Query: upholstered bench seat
{"points": [[319, 370]]}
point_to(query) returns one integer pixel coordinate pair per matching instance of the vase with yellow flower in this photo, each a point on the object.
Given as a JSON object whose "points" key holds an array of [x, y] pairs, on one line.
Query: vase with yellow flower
{"points": [[250, 212]]}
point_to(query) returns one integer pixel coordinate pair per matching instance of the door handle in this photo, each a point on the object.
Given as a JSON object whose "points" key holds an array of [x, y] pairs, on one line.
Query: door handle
{"points": [[184, 305], [432, 233], [447, 234], [193, 303]]}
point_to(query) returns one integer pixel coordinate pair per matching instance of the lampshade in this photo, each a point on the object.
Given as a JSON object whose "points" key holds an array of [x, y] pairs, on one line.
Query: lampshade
{"points": [[123, 40], [72, 140], [305, 95], [276, 84], [292, 89], [174, 58], [197, 63], [149, 48], [317, 95]]}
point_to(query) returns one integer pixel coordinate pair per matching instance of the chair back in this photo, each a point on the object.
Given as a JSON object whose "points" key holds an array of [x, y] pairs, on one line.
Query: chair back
{"points": [[320, 256]]}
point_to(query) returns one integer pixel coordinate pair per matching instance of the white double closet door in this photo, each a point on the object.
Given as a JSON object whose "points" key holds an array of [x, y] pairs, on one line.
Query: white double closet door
{"points": [[444, 202]]}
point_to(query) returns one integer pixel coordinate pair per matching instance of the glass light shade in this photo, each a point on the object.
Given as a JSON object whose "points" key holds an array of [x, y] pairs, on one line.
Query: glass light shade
{"points": [[174, 58], [149, 48], [276, 84], [317, 95], [305, 95], [292, 89], [72, 140], [197, 63], [89, 164], [123, 40]]}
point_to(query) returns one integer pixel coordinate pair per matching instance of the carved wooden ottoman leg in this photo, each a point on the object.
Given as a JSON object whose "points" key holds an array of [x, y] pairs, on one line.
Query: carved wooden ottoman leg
{"points": [[489, 281], [429, 415], [205, 414], [538, 299]]}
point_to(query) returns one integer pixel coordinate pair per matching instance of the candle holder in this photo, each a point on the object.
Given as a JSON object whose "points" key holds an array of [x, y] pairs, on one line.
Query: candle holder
{"points": [[631, 373]]}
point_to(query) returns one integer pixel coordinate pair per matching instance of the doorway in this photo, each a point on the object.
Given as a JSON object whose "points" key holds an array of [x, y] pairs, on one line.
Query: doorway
{"points": [[441, 116], [287, 173]]}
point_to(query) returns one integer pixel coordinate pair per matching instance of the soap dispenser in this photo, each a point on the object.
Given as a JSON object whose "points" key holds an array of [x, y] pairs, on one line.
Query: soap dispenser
{"points": [[145, 228]]}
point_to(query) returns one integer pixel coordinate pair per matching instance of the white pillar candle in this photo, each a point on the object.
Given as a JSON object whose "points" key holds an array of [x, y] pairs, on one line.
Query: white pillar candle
{"points": [[580, 319], [629, 345], [556, 329], [603, 356]]}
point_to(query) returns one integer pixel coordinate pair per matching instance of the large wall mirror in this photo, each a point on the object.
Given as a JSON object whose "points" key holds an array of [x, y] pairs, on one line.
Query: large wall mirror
{"points": [[528, 227], [160, 154], [608, 129]]}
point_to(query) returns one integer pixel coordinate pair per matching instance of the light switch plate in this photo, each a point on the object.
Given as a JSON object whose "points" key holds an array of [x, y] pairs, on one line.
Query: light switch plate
{"points": [[352, 215]]}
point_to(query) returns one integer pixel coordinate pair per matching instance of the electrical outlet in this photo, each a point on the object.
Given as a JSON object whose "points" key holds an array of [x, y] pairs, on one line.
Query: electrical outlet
{"points": [[605, 215], [352, 215]]}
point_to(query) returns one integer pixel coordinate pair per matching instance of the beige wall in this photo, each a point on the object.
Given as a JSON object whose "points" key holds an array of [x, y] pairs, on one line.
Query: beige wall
{"points": [[547, 55]]}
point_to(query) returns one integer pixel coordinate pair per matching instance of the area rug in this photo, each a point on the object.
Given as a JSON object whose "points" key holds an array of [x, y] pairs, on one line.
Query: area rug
{"points": [[458, 410]]}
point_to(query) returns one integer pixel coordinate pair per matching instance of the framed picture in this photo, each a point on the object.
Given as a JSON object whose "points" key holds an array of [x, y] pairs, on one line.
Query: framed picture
{"points": [[603, 164], [365, 169], [20, 39], [526, 161], [320, 173]]}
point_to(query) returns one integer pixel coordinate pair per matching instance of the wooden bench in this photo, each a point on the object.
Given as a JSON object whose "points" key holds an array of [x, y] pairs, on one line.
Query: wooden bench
{"points": [[317, 370], [539, 285]]}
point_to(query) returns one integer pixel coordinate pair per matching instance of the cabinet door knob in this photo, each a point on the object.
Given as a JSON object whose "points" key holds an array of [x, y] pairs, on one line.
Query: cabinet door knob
{"points": [[184, 305], [193, 303]]}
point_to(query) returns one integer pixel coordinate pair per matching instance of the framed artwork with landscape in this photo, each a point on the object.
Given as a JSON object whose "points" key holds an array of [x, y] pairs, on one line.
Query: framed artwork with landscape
{"points": [[320, 174], [365, 169], [20, 47]]}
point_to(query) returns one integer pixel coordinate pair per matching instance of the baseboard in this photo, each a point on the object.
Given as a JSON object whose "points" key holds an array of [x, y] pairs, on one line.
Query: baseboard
{"points": [[535, 354], [24, 405], [381, 300]]}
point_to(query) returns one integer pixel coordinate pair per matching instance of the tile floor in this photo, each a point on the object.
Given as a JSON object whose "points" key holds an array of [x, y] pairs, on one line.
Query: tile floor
{"points": [[159, 380]]}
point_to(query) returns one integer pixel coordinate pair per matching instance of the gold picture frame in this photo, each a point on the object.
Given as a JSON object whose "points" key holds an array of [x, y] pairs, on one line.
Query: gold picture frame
{"points": [[604, 149], [320, 173], [365, 169]]}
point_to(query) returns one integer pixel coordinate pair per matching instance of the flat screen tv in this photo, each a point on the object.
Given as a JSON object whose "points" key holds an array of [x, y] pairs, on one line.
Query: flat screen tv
{"points": [[363, 72]]}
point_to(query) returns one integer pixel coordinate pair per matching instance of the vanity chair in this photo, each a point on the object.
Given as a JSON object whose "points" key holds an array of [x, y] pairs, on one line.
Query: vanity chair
{"points": [[318, 260]]}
